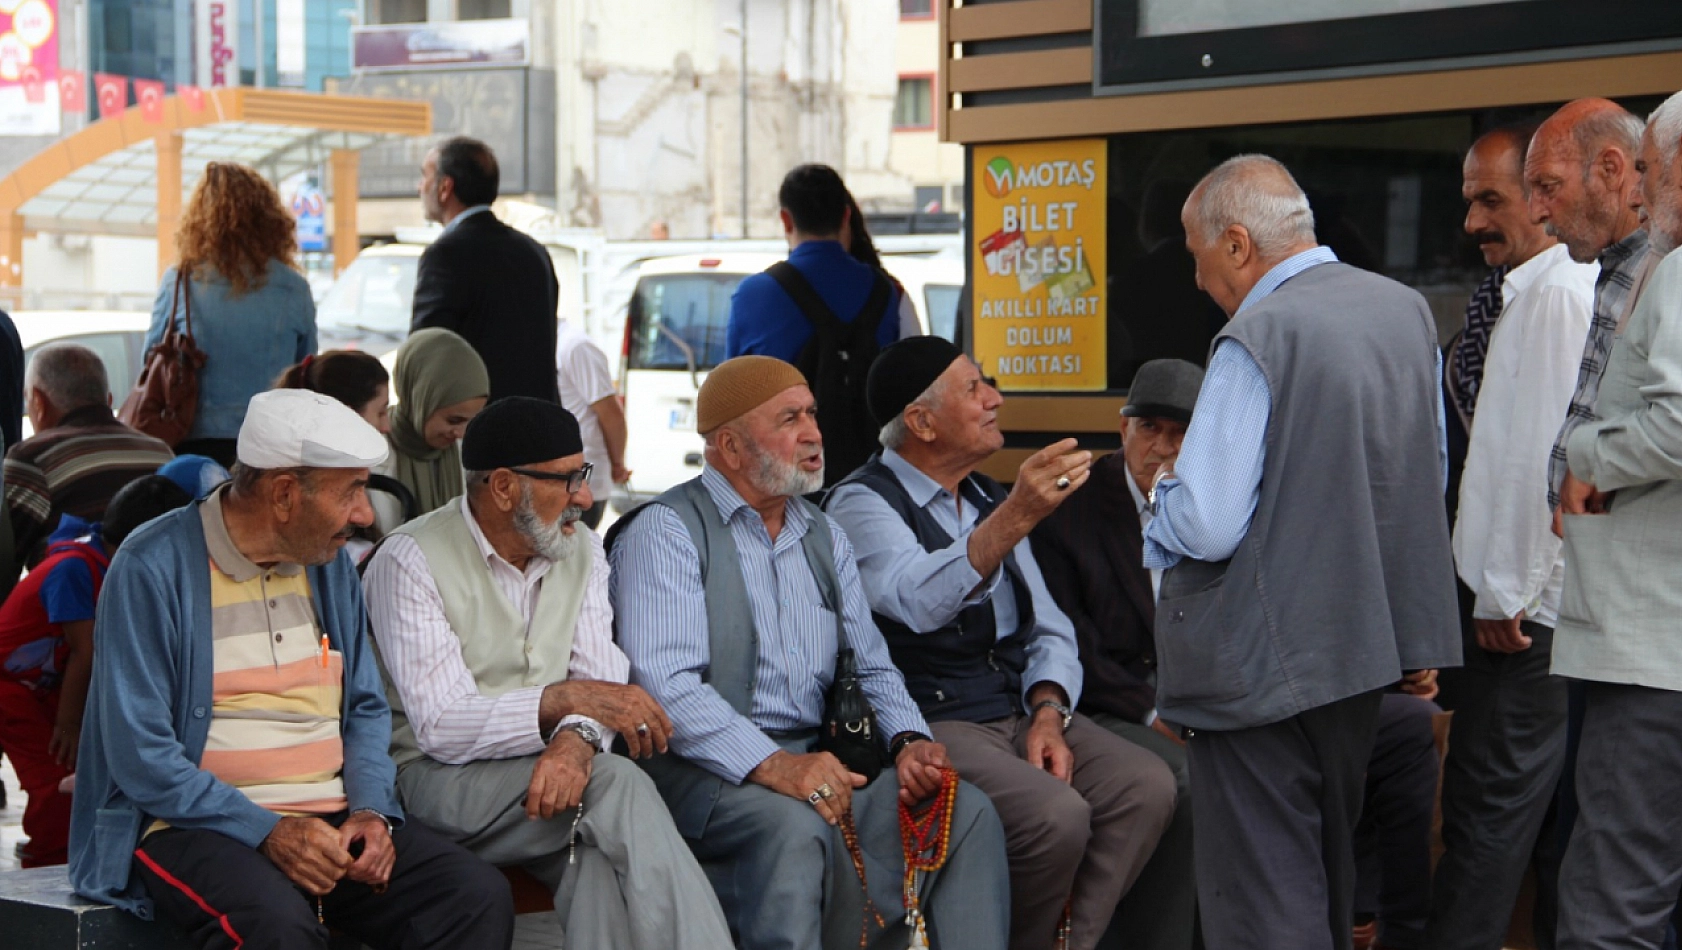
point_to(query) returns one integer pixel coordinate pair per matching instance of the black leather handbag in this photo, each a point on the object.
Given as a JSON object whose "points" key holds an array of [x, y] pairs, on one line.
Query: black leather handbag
{"points": [[849, 724]]}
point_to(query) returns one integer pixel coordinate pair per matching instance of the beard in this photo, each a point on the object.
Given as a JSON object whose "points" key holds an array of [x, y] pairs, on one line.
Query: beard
{"points": [[548, 540], [773, 476]]}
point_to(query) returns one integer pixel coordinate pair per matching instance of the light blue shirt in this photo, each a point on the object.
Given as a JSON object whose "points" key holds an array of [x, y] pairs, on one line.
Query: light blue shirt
{"points": [[925, 590], [1204, 509], [465, 214], [661, 616]]}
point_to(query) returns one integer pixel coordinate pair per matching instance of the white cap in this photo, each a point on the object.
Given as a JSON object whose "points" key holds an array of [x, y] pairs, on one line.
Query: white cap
{"points": [[298, 428]]}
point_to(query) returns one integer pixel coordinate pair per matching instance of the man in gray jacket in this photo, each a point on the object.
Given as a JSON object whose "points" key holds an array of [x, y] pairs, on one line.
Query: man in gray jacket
{"points": [[1306, 571], [1617, 617]]}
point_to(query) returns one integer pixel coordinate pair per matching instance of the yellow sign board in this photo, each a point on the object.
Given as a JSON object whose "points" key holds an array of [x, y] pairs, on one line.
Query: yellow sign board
{"points": [[1038, 263]]}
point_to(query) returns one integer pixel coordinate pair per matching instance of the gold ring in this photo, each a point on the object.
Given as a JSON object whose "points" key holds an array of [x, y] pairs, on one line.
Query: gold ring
{"points": [[1062, 482], [825, 791]]}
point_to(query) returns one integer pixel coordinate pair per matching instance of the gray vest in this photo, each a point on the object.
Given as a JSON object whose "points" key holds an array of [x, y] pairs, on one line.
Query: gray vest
{"points": [[732, 641], [1345, 577], [503, 650]]}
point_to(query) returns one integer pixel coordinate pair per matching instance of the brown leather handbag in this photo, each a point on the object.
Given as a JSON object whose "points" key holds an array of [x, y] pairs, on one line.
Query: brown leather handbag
{"points": [[166, 396]]}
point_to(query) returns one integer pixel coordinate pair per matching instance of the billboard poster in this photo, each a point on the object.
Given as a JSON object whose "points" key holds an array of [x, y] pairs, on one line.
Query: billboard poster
{"points": [[29, 104], [216, 43], [309, 207], [1038, 262], [441, 45]]}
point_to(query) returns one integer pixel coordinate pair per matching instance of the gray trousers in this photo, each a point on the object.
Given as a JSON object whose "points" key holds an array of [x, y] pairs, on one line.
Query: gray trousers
{"points": [[787, 881], [634, 884], [1505, 751], [1623, 868], [1082, 842], [1276, 808], [1160, 911]]}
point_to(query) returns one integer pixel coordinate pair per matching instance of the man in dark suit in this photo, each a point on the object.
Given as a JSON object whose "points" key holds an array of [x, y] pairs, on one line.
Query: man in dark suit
{"points": [[484, 280], [1090, 550]]}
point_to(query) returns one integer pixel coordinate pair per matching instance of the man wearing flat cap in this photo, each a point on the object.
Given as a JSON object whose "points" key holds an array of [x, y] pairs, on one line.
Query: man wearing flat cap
{"points": [[234, 774], [494, 631], [734, 597], [1091, 553], [987, 654]]}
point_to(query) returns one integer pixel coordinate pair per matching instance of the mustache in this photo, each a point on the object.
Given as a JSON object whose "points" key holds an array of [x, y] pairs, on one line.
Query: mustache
{"points": [[571, 514], [1489, 237]]}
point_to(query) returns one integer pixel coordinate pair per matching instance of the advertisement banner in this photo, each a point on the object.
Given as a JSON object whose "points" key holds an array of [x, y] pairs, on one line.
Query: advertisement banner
{"points": [[216, 42], [435, 45], [309, 207], [1038, 264], [28, 66]]}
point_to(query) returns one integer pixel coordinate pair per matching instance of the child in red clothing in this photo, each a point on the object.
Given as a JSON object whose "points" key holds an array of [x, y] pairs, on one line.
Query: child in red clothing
{"points": [[46, 659]]}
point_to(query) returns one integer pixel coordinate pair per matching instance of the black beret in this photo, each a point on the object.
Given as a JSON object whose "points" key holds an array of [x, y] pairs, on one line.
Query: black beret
{"points": [[903, 371], [519, 430]]}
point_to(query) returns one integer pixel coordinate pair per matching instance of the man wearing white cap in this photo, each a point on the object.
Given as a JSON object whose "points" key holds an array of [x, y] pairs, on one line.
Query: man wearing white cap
{"points": [[234, 773]]}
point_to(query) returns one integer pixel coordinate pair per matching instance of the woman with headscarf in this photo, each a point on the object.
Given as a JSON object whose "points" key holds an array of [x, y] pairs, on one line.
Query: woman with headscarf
{"points": [[440, 384]]}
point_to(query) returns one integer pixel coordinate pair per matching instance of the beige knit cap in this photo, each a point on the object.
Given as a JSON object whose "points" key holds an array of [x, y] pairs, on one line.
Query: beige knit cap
{"points": [[738, 386]]}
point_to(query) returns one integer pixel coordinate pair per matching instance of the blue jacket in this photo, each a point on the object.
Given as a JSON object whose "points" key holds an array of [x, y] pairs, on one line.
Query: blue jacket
{"points": [[765, 321], [247, 340], [149, 709]]}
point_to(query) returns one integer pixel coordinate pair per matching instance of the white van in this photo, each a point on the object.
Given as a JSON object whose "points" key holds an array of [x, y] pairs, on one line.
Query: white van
{"points": [[675, 326]]}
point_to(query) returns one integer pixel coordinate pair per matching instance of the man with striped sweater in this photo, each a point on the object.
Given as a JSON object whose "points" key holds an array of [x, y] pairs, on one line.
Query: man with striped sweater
{"points": [[234, 774]]}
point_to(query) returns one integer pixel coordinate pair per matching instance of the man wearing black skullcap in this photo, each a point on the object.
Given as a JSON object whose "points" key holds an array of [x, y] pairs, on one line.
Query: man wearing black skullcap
{"points": [[495, 634], [986, 653]]}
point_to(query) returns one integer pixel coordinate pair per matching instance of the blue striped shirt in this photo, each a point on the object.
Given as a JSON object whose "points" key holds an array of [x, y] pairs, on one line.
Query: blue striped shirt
{"points": [[1203, 511], [660, 608]]}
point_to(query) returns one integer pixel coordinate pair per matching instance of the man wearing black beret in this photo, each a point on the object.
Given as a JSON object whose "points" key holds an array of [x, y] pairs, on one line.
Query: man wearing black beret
{"points": [[495, 634]]}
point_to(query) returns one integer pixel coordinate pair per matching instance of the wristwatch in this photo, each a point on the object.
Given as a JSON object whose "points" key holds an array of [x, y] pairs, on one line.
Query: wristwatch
{"points": [[590, 734], [1062, 710]]}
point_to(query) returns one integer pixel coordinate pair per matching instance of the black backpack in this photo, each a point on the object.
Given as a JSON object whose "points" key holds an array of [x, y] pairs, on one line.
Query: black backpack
{"points": [[835, 361]]}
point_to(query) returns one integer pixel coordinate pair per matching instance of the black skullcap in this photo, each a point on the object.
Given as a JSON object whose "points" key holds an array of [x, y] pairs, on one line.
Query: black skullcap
{"points": [[903, 371], [519, 430]]}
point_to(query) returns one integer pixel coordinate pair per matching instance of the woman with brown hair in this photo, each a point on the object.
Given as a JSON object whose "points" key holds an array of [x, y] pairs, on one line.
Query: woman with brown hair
{"points": [[251, 311], [353, 377]]}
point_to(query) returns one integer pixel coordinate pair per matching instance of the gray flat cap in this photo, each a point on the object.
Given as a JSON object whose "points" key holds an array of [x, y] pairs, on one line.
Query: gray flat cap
{"points": [[1164, 389]]}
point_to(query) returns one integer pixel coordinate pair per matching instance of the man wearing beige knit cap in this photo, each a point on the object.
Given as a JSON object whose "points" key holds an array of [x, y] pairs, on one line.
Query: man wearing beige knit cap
{"points": [[734, 599]]}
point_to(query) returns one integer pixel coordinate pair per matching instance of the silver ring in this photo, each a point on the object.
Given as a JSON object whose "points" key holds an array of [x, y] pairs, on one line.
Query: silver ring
{"points": [[1062, 482], [642, 728], [815, 797], [825, 791]]}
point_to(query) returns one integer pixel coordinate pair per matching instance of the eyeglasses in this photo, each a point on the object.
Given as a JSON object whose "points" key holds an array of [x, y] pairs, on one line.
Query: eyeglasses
{"points": [[575, 479]]}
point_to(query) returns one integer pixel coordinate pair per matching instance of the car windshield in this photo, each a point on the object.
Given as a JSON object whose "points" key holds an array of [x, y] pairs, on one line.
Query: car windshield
{"points": [[375, 294], [674, 316], [942, 303]]}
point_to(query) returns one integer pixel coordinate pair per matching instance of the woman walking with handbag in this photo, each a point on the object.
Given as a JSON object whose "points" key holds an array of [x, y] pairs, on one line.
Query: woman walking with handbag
{"points": [[238, 296]]}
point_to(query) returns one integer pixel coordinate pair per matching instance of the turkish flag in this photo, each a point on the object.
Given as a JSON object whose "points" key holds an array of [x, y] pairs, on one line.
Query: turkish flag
{"points": [[72, 94], [192, 95], [112, 92], [34, 90], [150, 93]]}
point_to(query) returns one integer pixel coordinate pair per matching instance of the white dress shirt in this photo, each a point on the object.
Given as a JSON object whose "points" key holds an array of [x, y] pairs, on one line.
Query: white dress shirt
{"points": [[1144, 508], [454, 723], [1504, 546]]}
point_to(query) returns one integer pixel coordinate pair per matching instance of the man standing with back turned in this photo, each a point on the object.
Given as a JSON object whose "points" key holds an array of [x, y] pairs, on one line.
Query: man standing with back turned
{"points": [[482, 279], [1335, 587]]}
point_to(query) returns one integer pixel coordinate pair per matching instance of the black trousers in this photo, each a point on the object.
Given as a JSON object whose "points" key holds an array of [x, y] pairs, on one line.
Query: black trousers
{"points": [[1393, 840], [1275, 808], [223, 894]]}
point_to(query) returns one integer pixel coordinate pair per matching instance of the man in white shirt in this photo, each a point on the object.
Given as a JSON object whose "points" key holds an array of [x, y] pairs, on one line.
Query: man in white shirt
{"points": [[1508, 743], [495, 633], [587, 391]]}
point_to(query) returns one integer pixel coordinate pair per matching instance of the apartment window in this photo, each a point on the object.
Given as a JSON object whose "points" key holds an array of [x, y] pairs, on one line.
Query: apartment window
{"points": [[484, 9], [914, 103], [397, 11], [916, 9]]}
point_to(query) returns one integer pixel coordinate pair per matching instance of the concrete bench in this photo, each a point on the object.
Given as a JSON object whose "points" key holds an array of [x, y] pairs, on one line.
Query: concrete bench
{"points": [[39, 911]]}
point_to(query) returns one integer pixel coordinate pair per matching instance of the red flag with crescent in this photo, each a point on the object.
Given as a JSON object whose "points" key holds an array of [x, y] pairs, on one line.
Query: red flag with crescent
{"points": [[150, 94], [192, 95], [72, 94], [112, 92]]}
